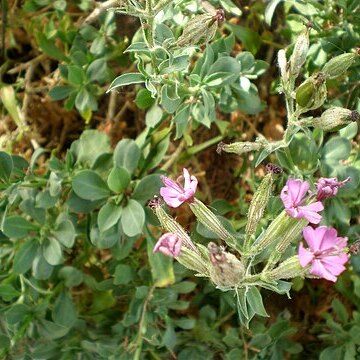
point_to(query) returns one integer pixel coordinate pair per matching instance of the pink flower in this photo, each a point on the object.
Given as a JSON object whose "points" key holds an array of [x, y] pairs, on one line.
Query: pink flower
{"points": [[169, 244], [292, 196], [327, 187], [174, 194], [326, 254]]}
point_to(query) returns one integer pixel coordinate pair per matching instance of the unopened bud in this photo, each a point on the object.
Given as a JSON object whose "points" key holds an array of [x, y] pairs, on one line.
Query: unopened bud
{"points": [[282, 231], [292, 232], [258, 205], [282, 62], [194, 261], [312, 93], [298, 56], [288, 269], [169, 224], [226, 270], [201, 29], [238, 147], [332, 118], [206, 217], [338, 65]]}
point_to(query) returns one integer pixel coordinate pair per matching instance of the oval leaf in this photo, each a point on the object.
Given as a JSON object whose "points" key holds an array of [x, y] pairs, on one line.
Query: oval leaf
{"points": [[89, 185]]}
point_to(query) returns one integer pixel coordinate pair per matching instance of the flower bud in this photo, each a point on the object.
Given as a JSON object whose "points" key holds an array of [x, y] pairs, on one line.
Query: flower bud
{"points": [[201, 29], [288, 269], [169, 244], [169, 224], [282, 231], [226, 270], [332, 118], [338, 65], [312, 93], [298, 56], [194, 261], [206, 217], [258, 205], [282, 62], [238, 147], [292, 232]]}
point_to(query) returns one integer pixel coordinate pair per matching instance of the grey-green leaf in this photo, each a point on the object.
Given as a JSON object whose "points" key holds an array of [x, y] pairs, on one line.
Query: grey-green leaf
{"points": [[127, 154], [133, 218], [6, 166], [89, 185], [108, 216]]}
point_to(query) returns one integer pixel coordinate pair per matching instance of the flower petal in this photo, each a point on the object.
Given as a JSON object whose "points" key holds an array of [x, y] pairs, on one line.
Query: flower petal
{"points": [[297, 190], [329, 239], [314, 236], [305, 256], [309, 212], [318, 269], [334, 264]]}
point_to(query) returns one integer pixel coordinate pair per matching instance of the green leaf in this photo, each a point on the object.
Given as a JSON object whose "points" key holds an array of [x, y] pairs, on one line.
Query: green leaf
{"points": [[126, 79], [270, 9], [109, 215], [54, 184], [41, 269], [8, 292], [127, 154], [340, 311], [85, 100], [81, 206], [16, 227], [90, 147], [163, 33], [25, 256], [17, 313], [225, 64], [229, 6], [118, 179], [52, 251], [97, 70], [147, 188], [65, 233], [35, 156], [49, 48], [219, 79], [123, 274], [153, 116], [106, 239], [254, 300], [76, 75], [72, 276], [184, 287], [50, 331], [250, 39], [133, 218], [64, 312], [336, 149], [144, 99], [170, 100], [88, 185], [45, 201], [6, 166]]}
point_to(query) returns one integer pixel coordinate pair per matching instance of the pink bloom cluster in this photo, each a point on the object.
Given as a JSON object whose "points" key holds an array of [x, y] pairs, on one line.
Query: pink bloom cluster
{"points": [[174, 194], [293, 197], [326, 252], [327, 187]]}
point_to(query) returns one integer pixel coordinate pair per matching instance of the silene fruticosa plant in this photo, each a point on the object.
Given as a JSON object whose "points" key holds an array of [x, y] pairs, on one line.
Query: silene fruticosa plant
{"points": [[293, 244]]}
